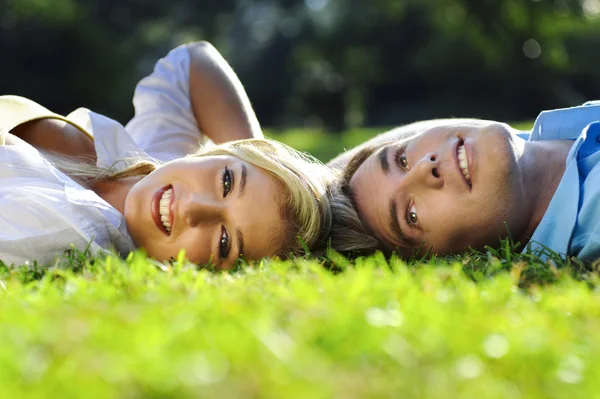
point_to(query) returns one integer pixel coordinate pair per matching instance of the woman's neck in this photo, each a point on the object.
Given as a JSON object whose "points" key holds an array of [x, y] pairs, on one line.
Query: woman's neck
{"points": [[115, 191]]}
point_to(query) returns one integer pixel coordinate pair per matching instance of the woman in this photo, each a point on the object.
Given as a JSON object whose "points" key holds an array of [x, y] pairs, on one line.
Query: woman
{"points": [[251, 197]]}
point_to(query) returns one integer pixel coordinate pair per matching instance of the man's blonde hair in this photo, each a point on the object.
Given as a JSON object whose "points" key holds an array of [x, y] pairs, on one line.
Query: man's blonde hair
{"points": [[305, 183], [349, 233]]}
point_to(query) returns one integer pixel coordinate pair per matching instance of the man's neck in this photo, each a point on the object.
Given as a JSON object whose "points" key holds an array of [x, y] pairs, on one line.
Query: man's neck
{"points": [[544, 166]]}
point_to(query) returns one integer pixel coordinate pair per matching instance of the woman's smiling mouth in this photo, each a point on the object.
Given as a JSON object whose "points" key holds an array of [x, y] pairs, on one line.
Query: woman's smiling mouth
{"points": [[162, 205], [164, 209]]}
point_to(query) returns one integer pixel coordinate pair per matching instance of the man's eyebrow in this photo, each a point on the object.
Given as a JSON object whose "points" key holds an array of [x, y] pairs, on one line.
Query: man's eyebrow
{"points": [[383, 159], [355, 162], [243, 181], [404, 240], [240, 241]]}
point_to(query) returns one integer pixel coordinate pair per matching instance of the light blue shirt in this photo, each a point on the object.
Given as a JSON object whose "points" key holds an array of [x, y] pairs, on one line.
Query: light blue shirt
{"points": [[571, 225]]}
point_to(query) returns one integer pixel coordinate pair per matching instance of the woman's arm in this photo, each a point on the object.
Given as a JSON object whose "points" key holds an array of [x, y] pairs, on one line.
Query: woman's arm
{"points": [[220, 103], [191, 94], [41, 128], [56, 136]]}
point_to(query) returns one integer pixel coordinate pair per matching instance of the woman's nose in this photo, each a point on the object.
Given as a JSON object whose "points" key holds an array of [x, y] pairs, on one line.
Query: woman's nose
{"points": [[200, 209], [426, 172]]}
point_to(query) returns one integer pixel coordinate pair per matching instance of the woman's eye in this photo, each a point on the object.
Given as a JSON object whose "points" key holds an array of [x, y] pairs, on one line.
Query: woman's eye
{"points": [[411, 216], [224, 243], [227, 181], [401, 159]]}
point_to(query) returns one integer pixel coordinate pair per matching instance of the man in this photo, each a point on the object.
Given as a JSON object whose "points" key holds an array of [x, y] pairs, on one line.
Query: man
{"points": [[449, 185]]}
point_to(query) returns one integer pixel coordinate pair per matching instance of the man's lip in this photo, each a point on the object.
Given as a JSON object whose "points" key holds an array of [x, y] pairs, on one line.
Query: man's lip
{"points": [[457, 162], [470, 160], [155, 209]]}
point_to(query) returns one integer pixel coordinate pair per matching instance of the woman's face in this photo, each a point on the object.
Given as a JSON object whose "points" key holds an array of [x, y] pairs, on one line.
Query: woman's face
{"points": [[213, 207]]}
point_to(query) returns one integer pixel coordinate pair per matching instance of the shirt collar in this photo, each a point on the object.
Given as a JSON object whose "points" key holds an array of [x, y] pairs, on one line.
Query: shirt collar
{"points": [[556, 227], [564, 123]]}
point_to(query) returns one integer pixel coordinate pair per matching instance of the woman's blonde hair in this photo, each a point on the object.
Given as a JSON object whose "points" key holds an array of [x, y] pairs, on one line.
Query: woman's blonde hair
{"points": [[305, 182]]}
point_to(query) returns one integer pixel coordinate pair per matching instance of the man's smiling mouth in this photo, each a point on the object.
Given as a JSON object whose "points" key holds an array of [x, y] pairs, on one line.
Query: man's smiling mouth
{"points": [[463, 162]]}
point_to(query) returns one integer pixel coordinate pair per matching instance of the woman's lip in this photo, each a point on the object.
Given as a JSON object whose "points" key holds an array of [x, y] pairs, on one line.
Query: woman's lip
{"points": [[155, 209], [172, 209]]}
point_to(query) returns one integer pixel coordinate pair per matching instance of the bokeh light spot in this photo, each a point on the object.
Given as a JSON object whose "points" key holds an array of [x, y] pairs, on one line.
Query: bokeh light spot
{"points": [[532, 49]]}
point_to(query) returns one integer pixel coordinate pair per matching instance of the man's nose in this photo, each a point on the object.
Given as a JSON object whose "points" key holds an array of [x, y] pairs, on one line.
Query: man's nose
{"points": [[201, 209], [426, 172]]}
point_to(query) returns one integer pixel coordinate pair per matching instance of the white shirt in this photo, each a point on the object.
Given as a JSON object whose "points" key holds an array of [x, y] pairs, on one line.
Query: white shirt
{"points": [[164, 124], [44, 212]]}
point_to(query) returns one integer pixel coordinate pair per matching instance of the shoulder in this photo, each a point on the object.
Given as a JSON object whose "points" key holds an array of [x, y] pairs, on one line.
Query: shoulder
{"points": [[196, 49], [111, 139], [174, 65], [586, 236], [18, 157], [574, 210]]}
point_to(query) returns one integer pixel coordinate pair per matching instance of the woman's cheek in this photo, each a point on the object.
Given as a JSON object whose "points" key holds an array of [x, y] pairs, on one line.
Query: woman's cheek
{"points": [[196, 246]]}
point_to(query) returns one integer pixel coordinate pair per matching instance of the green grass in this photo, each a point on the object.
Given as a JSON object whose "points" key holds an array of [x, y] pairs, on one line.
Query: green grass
{"points": [[478, 327], [322, 145], [493, 324]]}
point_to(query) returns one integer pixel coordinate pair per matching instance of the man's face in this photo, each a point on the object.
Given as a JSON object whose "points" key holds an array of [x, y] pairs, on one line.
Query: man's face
{"points": [[447, 189]]}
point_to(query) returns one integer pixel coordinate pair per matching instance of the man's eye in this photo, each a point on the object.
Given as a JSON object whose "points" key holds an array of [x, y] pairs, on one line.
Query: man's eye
{"points": [[227, 181], [401, 159], [411, 216], [224, 247]]}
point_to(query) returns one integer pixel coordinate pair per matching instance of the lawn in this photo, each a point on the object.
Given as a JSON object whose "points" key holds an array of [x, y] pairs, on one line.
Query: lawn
{"points": [[478, 327], [494, 324]]}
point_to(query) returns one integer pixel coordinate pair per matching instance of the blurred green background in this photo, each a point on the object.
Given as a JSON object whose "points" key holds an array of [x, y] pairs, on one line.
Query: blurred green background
{"points": [[325, 65]]}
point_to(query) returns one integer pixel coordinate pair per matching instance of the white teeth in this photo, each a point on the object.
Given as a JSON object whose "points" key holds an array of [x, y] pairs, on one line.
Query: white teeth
{"points": [[463, 163], [164, 210]]}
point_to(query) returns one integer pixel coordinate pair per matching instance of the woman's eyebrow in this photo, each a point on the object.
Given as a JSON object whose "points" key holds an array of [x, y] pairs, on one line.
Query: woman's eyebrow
{"points": [[383, 160], [238, 232], [243, 181]]}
